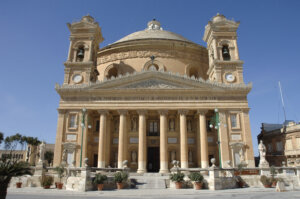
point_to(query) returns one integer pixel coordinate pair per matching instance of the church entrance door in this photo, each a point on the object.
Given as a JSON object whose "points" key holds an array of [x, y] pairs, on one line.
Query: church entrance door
{"points": [[153, 159]]}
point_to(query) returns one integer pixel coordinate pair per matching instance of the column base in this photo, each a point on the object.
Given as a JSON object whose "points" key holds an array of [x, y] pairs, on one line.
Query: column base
{"points": [[163, 171], [141, 171], [101, 164], [184, 165], [120, 164], [204, 164]]}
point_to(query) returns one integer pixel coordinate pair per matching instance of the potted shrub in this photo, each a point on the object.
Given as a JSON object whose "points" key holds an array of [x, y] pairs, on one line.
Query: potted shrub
{"points": [[60, 171], [47, 181], [178, 179], [267, 182], [197, 178], [19, 183], [119, 178], [99, 179]]}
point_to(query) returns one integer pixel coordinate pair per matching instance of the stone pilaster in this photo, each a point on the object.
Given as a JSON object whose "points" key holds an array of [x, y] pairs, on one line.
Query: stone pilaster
{"points": [[142, 154], [249, 155], [102, 139], [122, 138], [203, 140], [163, 142], [224, 138], [59, 137], [183, 140]]}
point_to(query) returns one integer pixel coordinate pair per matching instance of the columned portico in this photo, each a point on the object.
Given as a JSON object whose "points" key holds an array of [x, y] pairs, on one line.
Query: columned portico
{"points": [[122, 138], [102, 138], [183, 139], [203, 139], [142, 144], [163, 142]]}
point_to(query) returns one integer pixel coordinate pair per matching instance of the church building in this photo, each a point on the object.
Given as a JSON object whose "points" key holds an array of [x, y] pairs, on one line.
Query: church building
{"points": [[153, 97]]}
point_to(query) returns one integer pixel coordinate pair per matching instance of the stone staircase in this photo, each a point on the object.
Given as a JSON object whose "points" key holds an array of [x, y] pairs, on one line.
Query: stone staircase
{"points": [[149, 180]]}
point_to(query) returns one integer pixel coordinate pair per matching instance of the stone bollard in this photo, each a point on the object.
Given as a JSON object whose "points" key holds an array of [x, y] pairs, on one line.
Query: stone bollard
{"points": [[214, 182]]}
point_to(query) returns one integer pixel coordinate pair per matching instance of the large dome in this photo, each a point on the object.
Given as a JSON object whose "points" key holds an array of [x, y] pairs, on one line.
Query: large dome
{"points": [[153, 31]]}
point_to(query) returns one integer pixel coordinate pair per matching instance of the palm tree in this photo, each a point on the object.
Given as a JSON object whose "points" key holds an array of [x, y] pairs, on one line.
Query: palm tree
{"points": [[10, 166]]}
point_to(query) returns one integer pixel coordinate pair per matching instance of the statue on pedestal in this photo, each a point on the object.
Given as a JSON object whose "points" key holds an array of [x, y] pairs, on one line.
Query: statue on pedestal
{"points": [[262, 154]]}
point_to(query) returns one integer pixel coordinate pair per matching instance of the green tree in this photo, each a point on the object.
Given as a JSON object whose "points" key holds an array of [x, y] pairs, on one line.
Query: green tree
{"points": [[49, 156], [10, 166]]}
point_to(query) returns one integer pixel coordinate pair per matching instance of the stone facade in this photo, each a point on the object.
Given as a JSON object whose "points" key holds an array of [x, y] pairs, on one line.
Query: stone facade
{"points": [[282, 142], [153, 97]]}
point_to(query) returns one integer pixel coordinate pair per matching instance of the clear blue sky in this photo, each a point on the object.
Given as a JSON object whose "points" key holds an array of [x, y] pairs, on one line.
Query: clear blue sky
{"points": [[34, 44]]}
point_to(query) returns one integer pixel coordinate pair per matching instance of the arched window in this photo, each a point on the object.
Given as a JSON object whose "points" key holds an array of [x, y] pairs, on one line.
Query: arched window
{"points": [[225, 53], [194, 72], [80, 54], [112, 72]]}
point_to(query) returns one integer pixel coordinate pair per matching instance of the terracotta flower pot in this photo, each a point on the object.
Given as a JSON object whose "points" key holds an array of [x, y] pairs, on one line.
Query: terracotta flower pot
{"points": [[19, 184], [47, 187], [267, 185], [120, 185], [198, 185], [100, 187], [178, 185], [59, 185]]}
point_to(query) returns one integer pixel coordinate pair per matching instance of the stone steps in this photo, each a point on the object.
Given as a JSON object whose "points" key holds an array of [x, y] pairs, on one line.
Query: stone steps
{"points": [[150, 180]]}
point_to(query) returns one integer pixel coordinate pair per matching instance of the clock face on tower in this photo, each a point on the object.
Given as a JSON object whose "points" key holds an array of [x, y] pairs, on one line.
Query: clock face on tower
{"points": [[229, 77], [77, 78]]}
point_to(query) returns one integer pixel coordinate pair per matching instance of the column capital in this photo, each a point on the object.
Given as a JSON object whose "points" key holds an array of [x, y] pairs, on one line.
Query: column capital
{"points": [[202, 112], [123, 112], [183, 111], [163, 112], [142, 112], [102, 112]]}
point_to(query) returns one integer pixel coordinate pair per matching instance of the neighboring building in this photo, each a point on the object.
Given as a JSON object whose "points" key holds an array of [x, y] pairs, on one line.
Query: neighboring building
{"points": [[30, 155], [282, 142], [20, 155], [150, 97]]}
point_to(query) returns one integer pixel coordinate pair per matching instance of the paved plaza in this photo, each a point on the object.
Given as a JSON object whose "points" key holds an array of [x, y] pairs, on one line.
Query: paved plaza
{"points": [[245, 193]]}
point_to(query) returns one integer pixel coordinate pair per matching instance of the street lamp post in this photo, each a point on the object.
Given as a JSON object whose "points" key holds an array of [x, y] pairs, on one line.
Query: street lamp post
{"points": [[82, 129], [216, 123]]}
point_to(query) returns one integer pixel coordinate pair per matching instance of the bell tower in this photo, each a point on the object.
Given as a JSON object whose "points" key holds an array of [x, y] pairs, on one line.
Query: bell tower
{"points": [[85, 37], [225, 65]]}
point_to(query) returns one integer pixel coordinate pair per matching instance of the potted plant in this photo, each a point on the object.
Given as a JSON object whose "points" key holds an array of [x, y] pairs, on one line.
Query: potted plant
{"points": [[99, 179], [119, 178], [267, 182], [47, 181], [19, 183], [60, 171], [178, 179], [197, 178]]}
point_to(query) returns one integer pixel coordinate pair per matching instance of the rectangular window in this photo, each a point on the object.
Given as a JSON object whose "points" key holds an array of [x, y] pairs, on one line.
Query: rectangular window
{"points": [[279, 146], [153, 128], [270, 148], [72, 121], [233, 119], [97, 125]]}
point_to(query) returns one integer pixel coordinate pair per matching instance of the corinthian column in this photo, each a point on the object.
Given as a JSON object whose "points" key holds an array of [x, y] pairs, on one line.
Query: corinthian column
{"points": [[203, 140], [142, 159], [122, 138], [102, 137], [163, 142], [183, 140]]}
